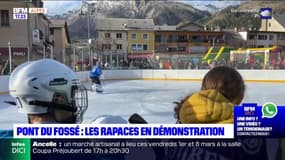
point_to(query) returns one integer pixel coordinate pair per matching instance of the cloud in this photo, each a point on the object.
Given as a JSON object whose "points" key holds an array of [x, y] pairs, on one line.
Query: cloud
{"points": [[59, 7]]}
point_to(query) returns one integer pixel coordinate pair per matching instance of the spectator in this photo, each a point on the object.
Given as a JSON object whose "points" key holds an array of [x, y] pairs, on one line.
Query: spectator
{"points": [[189, 65], [222, 88], [167, 64]]}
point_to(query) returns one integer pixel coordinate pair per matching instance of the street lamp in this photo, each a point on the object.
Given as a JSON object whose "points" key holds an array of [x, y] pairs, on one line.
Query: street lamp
{"points": [[28, 32], [74, 61], [82, 59], [90, 53], [88, 33], [10, 56]]}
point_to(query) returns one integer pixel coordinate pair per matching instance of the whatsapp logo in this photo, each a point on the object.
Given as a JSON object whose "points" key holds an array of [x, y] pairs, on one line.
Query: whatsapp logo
{"points": [[269, 110]]}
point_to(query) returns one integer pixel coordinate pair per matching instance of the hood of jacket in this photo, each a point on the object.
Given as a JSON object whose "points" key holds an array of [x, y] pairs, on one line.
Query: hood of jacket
{"points": [[207, 106]]}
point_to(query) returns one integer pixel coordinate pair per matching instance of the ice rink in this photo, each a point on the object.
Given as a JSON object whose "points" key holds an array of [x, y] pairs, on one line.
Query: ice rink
{"points": [[151, 99]]}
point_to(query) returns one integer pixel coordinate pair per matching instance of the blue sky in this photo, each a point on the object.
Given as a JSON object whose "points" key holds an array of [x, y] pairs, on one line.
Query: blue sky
{"points": [[59, 7]]}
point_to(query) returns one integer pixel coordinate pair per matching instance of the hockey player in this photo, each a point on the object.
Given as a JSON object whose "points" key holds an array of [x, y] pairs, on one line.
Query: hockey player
{"points": [[48, 92], [94, 75]]}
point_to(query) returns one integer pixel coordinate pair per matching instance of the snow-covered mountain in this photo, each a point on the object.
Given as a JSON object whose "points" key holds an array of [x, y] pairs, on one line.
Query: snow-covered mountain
{"points": [[212, 6], [61, 7], [162, 12]]}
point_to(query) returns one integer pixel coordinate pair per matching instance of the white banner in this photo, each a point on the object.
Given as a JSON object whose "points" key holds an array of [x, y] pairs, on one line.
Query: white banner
{"points": [[36, 36], [186, 131]]}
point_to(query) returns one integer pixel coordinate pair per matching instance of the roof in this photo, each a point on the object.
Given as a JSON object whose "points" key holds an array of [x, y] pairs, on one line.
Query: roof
{"points": [[57, 23], [124, 24], [280, 18], [187, 24], [164, 28]]}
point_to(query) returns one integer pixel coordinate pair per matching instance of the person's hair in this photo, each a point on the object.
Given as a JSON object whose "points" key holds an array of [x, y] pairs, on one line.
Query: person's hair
{"points": [[178, 107], [225, 80]]}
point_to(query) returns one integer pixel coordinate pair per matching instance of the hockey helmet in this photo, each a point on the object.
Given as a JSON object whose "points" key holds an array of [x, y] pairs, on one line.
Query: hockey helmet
{"points": [[37, 86]]}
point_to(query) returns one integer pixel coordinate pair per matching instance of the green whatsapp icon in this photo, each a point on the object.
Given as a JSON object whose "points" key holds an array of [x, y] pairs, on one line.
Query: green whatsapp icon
{"points": [[269, 110]]}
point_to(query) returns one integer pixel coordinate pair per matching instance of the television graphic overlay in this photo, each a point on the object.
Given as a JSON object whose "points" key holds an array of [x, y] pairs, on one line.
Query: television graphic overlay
{"points": [[252, 120], [265, 13], [153, 55]]}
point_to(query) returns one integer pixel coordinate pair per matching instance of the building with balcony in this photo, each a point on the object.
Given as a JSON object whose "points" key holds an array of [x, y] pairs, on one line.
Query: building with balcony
{"points": [[261, 39], [271, 33], [185, 42]]}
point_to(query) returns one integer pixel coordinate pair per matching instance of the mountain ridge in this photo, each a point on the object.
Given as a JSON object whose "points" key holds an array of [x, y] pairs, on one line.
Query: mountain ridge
{"points": [[167, 12]]}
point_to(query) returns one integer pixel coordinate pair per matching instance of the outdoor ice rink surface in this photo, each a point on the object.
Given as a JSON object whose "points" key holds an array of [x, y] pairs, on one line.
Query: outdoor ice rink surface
{"points": [[151, 99]]}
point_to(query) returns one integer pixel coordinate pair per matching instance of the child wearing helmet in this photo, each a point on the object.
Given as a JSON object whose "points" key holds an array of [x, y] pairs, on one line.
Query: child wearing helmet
{"points": [[48, 92], [94, 75]]}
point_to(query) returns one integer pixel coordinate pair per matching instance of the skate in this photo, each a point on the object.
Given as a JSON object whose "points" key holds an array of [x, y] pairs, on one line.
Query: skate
{"points": [[99, 88], [93, 87]]}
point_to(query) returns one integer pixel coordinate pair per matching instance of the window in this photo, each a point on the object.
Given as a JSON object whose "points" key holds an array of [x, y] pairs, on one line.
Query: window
{"points": [[182, 49], [251, 37], [139, 47], [145, 47], [119, 35], [171, 49], [106, 46], [134, 36], [262, 37], [170, 38], [271, 37], [281, 37], [182, 38], [41, 34], [134, 47], [107, 35], [157, 38], [4, 17], [119, 46], [145, 36], [51, 30], [269, 24]]}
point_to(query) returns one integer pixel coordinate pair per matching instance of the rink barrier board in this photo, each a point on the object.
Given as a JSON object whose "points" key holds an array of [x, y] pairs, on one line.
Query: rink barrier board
{"points": [[254, 76], [175, 79], [194, 80]]}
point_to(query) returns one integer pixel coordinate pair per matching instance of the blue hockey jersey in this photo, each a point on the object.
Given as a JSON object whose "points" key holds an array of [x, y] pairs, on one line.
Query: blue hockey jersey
{"points": [[96, 71]]}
